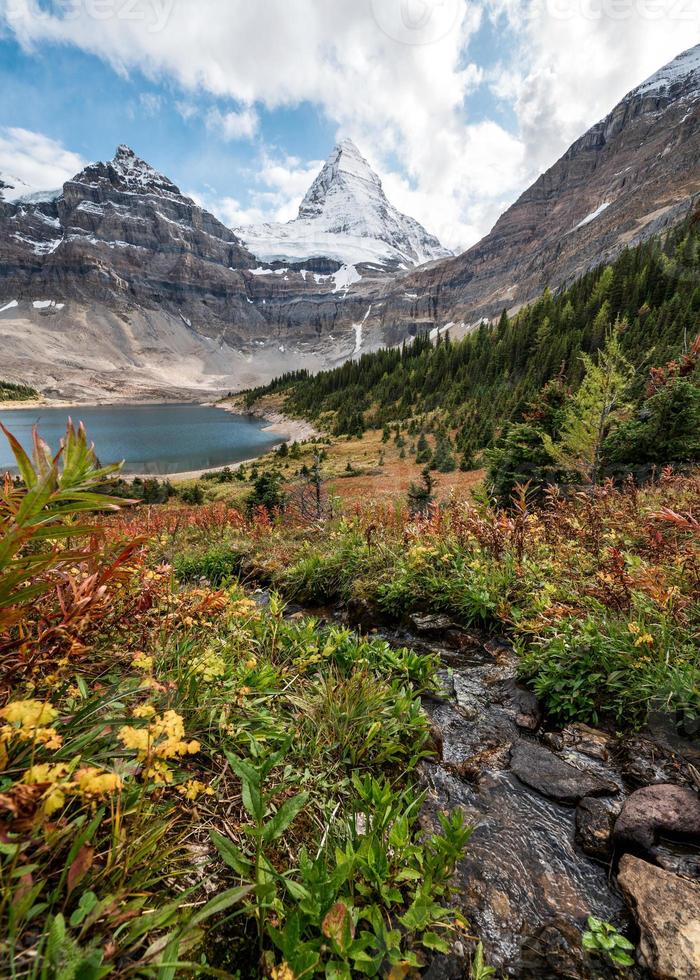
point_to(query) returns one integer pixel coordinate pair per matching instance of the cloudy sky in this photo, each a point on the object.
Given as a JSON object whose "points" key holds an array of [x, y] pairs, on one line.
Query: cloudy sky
{"points": [[458, 104]]}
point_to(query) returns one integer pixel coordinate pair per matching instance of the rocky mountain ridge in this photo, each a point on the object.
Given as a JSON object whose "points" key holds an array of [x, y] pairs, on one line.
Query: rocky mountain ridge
{"points": [[121, 276], [629, 176], [121, 246]]}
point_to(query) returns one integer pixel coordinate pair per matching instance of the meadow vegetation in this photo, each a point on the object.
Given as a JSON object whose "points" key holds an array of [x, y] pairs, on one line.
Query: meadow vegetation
{"points": [[192, 783], [196, 779]]}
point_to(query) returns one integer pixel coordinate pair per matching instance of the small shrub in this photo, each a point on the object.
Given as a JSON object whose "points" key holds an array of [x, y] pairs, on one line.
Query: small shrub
{"points": [[217, 564]]}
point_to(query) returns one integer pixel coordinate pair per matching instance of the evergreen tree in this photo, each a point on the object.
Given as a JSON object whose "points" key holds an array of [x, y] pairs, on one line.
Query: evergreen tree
{"points": [[420, 495], [443, 460], [594, 411], [267, 492], [423, 453]]}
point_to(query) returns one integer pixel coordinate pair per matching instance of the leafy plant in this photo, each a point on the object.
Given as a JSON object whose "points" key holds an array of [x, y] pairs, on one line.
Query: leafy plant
{"points": [[604, 939], [479, 968], [217, 564], [267, 824], [40, 512]]}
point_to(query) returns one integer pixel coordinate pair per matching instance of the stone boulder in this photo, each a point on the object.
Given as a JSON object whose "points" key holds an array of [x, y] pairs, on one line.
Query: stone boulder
{"points": [[431, 624], [522, 704], [541, 770], [594, 827], [660, 809], [667, 910]]}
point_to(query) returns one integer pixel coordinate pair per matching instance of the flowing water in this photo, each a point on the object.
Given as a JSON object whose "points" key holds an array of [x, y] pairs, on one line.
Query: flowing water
{"points": [[524, 884], [155, 439]]}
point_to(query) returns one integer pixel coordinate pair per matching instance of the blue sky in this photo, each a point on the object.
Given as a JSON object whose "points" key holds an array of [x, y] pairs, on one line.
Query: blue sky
{"points": [[457, 105]]}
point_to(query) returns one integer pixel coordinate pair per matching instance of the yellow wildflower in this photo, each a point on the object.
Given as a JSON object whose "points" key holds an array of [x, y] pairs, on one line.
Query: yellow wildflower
{"points": [[29, 714], [251, 663], [144, 711], [283, 972], [26, 719], [644, 638], [159, 773], [44, 773], [209, 666], [163, 738], [142, 662], [194, 788], [93, 782]]}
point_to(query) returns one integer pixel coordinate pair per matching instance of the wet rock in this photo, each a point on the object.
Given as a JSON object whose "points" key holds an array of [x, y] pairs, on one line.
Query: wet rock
{"points": [[588, 741], [459, 640], [490, 759], [678, 733], [522, 704], [554, 950], [450, 966], [677, 861], [362, 614], [644, 761], [498, 647], [436, 740], [667, 910], [431, 624], [594, 827], [549, 775], [662, 809]]}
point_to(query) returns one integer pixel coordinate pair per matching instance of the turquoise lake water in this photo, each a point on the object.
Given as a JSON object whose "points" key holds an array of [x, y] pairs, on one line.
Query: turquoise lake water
{"points": [[154, 439]]}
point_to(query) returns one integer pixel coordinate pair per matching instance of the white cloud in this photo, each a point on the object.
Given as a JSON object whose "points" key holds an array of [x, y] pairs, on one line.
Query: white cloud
{"points": [[575, 59], [150, 103], [233, 125], [277, 185], [36, 160], [393, 75]]}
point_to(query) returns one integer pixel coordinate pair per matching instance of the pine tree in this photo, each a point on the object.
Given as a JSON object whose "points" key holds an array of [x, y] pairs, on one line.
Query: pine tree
{"points": [[420, 495], [423, 453], [594, 411], [443, 460]]}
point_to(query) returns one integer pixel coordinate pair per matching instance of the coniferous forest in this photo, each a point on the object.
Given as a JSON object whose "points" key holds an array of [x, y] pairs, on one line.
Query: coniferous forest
{"points": [[650, 296]]}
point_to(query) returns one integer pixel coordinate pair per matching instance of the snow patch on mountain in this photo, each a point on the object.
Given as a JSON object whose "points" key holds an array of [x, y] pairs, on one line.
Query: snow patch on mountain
{"points": [[593, 215], [345, 216], [345, 277], [682, 68]]}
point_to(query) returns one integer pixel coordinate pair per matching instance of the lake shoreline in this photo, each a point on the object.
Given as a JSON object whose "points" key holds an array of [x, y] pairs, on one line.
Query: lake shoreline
{"points": [[290, 430]]}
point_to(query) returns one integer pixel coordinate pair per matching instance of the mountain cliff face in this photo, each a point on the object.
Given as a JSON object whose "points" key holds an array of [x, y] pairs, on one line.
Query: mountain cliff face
{"points": [[346, 216], [120, 276], [120, 245], [633, 173]]}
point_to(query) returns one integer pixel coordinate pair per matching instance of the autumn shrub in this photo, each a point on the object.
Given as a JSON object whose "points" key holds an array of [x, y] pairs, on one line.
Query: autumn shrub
{"points": [[216, 564], [598, 588]]}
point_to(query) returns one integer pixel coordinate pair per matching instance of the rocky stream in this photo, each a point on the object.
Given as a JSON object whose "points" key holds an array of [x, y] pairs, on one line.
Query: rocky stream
{"points": [[568, 823]]}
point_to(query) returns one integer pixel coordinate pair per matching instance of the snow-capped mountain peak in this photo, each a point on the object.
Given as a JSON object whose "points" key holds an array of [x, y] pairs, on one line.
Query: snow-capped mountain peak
{"points": [[345, 170], [682, 71], [345, 216], [128, 172]]}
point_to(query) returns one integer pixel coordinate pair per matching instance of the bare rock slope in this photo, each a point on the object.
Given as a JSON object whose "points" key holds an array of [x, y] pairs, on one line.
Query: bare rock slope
{"points": [[632, 174]]}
